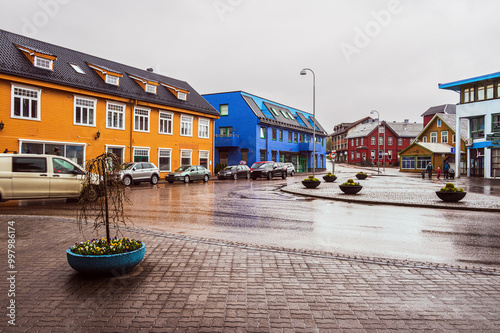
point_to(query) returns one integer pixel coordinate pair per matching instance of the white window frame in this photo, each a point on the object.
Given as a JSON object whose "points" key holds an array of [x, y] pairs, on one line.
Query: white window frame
{"points": [[434, 137], [390, 140], [186, 125], [115, 112], [203, 124], [226, 109], [187, 152], [141, 119], [111, 79], [373, 141], [400, 141], [182, 96], [204, 154], [89, 109], [38, 99], [134, 149], [150, 88], [170, 120], [168, 151], [424, 138], [41, 62], [444, 134], [117, 146], [439, 123]]}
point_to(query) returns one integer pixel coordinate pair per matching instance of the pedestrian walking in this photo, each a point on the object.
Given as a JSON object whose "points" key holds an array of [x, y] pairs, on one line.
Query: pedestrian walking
{"points": [[423, 173], [429, 169], [438, 172], [446, 170]]}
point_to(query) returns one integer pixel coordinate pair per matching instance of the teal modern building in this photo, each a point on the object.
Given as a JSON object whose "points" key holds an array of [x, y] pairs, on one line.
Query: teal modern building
{"points": [[254, 129], [480, 106]]}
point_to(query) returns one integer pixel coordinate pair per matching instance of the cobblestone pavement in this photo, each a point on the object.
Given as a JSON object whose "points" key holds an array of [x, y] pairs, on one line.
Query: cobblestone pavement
{"points": [[393, 188], [196, 285]]}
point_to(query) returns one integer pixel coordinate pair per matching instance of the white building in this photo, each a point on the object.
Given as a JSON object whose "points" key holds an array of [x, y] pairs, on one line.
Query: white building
{"points": [[480, 105]]}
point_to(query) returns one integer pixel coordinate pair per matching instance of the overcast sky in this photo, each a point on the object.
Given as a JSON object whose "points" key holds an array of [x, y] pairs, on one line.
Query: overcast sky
{"points": [[367, 55]]}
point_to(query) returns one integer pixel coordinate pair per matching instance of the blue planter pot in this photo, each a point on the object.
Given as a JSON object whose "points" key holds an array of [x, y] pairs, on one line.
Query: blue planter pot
{"points": [[103, 264]]}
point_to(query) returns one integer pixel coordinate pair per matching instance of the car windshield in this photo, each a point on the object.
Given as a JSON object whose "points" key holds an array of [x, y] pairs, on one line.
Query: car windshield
{"points": [[127, 166], [265, 166], [256, 165], [231, 167], [183, 168]]}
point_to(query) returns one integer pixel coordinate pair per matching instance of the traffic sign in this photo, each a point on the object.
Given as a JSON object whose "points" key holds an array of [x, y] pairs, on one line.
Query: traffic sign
{"points": [[333, 155]]}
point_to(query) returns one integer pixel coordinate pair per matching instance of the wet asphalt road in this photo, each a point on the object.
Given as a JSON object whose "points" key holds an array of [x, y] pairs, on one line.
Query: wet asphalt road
{"points": [[256, 212]]}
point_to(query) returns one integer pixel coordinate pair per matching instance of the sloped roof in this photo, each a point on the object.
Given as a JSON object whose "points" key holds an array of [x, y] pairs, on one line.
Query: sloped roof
{"points": [[13, 61], [445, 108], [437, 148], [450, 120], [362, 130], [403, 129]]}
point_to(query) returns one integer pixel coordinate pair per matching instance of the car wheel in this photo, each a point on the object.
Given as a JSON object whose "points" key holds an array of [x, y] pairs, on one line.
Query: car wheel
{"points": [[205, 178], [269, 176], [283, 175], [154, 179], [186, 179], [292, 173], [170, 181], [235, 176], [248, 176], [127, 180]]}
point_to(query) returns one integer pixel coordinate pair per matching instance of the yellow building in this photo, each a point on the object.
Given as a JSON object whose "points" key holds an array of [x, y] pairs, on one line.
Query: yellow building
{"points": [[56, 100], [435, 144]]}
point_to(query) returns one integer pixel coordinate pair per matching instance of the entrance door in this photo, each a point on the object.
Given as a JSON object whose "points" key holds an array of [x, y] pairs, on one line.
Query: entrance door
{"points": [[303, 165], [477, 167]]}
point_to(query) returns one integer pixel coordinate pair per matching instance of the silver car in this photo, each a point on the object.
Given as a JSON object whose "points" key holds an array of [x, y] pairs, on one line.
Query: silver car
{"points": [[290, 169], [188, 173], [136, 172]]}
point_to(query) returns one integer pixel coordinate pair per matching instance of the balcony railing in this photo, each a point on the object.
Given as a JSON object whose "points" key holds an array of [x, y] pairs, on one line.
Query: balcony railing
{"points": [[227, 140]]}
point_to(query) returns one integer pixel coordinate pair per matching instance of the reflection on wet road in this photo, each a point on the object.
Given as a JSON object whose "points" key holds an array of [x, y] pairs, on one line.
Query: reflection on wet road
{"points": [[256, 212]]}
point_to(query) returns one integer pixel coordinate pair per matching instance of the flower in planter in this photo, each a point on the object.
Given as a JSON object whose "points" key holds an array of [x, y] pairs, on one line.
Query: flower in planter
{"points": [[361, 173], [101, 246], [311, 179], [350, 182], [450, 187], [329, 175]]}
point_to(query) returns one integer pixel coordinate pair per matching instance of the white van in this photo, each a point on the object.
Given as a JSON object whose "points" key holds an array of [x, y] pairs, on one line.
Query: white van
{"points": [[32, 176]]}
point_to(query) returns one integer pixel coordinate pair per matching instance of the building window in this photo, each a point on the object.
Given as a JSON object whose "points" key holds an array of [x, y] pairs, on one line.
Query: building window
{"points": [[274, 111], [114, 80], [141, 120], [203, 155], [150, 88], [274, 132], [453, 138], [389, 141], [203, 128], [444, 136], [357, 142], [165, 123], [352, 155], [439, 123], [274, 155], [295, 137], [373, 142], [115, 116], [480, 93], [489, 91], [362, 141], [224, 109], [141, 154], [281, 135], [290, 136], [77, 69], [372, 154], [263, 155], [357, 155], [25, 103], [186, 157], [477, 127], [381, 140], [422, 161], [434, 136], [400, 141], [495, 122], [408, 162], [164, 159], [225, 131], [262, 132], [186, 126], [43, 63], [84, 111], [389, 154]]}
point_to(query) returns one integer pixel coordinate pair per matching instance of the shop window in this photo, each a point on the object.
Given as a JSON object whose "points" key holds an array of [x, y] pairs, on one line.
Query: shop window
{"points": [[477, 127], [408, 162], [141, 155]]}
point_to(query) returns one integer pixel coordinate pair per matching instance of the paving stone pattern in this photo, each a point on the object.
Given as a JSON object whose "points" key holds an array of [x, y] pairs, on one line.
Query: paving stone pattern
{"points": [[185, 285]]}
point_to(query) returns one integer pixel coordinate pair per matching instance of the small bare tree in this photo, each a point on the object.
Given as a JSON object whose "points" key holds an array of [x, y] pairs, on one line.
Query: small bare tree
{"points": [[103, 194]]}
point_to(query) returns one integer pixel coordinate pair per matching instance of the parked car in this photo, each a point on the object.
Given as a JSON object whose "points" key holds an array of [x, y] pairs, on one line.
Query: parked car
{"points": [[136, 172], [234, 172], [269, 170], [188, 173], [290, 169], [33, 176]]}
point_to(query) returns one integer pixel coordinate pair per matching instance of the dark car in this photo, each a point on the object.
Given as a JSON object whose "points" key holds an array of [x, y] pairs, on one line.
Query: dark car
{"points": [[269, 170], [234, 172], [188, 173]]}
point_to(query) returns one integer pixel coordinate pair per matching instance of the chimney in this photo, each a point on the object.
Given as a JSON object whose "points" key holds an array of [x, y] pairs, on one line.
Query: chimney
{"points": [[150, 70], [407, 121]]}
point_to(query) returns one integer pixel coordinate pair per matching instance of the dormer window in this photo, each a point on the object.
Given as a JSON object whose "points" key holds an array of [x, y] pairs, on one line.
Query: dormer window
{"points": [[177, 92], [108, 75], [38, 58], [149, 86], [43, 63]]}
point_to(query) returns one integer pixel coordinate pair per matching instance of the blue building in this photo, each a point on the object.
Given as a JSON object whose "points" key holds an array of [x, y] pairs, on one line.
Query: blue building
{"points": [[254, 129]]}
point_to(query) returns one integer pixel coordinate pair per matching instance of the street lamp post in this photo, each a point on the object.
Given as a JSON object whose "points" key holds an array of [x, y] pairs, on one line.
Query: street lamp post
{"points": [[303, 72], [378, 139]]}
